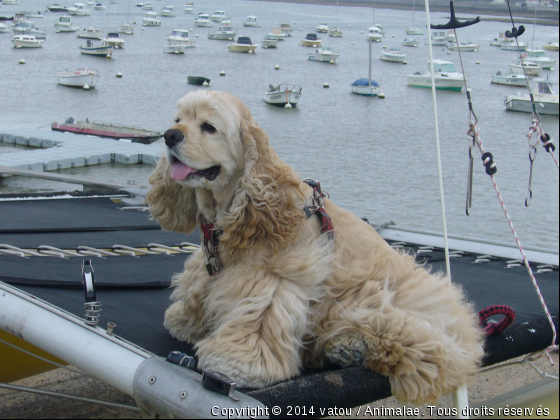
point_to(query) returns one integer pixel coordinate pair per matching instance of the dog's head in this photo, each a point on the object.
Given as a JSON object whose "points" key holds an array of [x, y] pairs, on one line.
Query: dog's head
{"points": [[217, 159]]}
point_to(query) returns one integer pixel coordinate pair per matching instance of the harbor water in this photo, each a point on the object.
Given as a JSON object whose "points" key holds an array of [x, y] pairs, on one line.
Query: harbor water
{"points": [[375, 157]]}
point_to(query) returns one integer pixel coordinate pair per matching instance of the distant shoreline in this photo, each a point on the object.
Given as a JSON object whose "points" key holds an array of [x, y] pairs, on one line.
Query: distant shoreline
{"points": [[492, 12]]}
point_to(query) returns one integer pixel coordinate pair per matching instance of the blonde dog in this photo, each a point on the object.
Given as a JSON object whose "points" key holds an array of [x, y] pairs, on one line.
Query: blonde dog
{"points": [[271, 290]]}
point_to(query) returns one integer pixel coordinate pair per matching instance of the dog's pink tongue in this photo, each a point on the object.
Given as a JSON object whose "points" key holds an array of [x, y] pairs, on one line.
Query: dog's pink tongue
{"points": [[180, 171]]}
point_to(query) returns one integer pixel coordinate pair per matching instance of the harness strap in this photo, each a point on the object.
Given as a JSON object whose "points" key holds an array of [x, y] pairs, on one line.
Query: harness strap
{"points": [[211, 234], [493, 328], [316, 205], [211, 241]]}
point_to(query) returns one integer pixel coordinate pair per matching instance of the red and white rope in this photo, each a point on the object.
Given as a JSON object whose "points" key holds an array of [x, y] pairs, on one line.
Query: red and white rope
{"points": [[537, 128], [475, 130]]}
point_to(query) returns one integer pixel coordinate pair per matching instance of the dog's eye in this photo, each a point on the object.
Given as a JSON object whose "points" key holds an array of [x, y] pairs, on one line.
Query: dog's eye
{"points": [[177, 120], [209, 128]]}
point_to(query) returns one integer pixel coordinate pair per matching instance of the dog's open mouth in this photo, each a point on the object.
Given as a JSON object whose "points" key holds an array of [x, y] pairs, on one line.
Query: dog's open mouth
{"points": [[180, 171]]}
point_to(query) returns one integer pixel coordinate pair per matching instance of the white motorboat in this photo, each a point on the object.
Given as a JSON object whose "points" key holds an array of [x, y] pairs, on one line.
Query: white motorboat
{"points": [[463, 46], [139, 4], [126, 29], [114, 40], [79, 9], [37, 15], [438, 38], [527, 68], [551, 46], [283, 95], [26, 41], [96, 50], [90, 33], [445, 77], [335, 32], [64, 24], [540, 57], [189, 8], [502, 40], [219, 16], [544, 95], [410, 42], [56, 8], [278, 32], [270, 41], [4, 29], [286, 28], [243, 45], [374, 34], [99, 6], [311, 40], [324, 55], [367, 87], [203, 21], [174, 49], [251, 22], [151, 19], [225, 32], [78, 78], [167, 11], [26, 27], [181, 37], [510, 79], [322, 28], [515, 47], [393, 55], [148, 6]]}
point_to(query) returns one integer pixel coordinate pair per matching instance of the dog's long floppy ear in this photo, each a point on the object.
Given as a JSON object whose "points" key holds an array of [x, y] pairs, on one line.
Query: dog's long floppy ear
{"points": [[266, 209], [171, 204]]}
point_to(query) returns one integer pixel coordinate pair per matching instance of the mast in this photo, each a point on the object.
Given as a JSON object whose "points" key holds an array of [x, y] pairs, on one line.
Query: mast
{"points": [[370, 42]]}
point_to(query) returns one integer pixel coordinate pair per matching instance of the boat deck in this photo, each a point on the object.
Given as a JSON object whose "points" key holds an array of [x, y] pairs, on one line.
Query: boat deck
{"points": [[134, 290]]}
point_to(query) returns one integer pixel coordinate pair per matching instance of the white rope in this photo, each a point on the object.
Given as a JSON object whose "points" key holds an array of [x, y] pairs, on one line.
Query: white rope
{"points": [[442, 200]]}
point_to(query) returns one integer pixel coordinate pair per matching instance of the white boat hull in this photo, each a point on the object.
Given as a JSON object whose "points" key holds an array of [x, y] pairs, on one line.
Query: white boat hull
{"points": [[545, 104], [102, 51], [18, 43], [529, 71], [322, 57], [65, 28], [32, 31], [269, 43], [510, 80], [465, 48], [375, 38], [187, 43], [366, 90], [395, 58], [336, 33], [223, 36], [450, 82], [306, 43], [414, 31], [282, 98], [90, 34], [78, 78], [151, 22], [174, 49], [410, 43], [203, 23], [240, 48]]}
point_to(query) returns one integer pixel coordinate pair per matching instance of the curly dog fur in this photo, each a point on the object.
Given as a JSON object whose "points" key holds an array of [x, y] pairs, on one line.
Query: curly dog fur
{"points": [[287, 297]]}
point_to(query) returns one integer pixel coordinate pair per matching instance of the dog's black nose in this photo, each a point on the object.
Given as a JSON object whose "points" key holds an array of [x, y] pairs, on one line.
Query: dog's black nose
{"points": [[173, 137]]}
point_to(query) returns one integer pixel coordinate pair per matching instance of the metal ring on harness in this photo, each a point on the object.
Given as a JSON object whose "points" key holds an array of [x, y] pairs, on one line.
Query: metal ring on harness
{"points": [[496, 328]]}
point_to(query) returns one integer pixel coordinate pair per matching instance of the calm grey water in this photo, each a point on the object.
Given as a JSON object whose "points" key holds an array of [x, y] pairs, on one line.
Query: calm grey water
{"points": [[375, 157]]}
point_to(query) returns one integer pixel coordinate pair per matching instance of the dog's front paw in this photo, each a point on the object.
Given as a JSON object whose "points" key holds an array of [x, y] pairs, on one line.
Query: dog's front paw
{"points": [[180, 325]]}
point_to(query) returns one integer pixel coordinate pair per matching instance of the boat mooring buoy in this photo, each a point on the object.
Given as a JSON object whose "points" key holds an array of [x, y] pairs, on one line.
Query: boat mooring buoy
{"points": [[288, 106], [381, 95], [57, 32], [134, 23], [119, 74], [222, 73], [331, 62], [392, 36], [251, 51], [108, 56], [475, 50], [277, 67], [353, 42], [18, 47], [325, 85], [86, 87], [196, 36], [205, 83], [404, 62], [361, 32], [478, 62], [22, 61]]}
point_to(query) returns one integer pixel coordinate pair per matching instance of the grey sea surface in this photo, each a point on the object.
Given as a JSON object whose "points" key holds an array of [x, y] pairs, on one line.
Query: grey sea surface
{"points": [[375, 157]]}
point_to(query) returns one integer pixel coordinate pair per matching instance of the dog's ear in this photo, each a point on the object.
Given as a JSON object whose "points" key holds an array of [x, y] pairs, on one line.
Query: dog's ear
{"points": [[171, 204], [266, 209]]}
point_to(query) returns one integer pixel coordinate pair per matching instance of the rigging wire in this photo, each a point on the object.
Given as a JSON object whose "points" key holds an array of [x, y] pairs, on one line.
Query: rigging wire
{"points": [[491, 169]]}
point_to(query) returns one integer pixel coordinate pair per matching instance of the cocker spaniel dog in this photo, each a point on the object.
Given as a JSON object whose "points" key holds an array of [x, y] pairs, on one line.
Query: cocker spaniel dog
{"points": [[284, 278]]}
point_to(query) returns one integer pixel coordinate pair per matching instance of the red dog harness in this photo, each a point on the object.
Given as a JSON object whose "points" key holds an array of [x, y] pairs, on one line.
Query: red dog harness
{"points": [[211, 234]]}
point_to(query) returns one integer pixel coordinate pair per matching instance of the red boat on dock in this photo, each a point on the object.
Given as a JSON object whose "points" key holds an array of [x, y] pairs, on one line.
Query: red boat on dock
{"points": [[117, 132]]}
